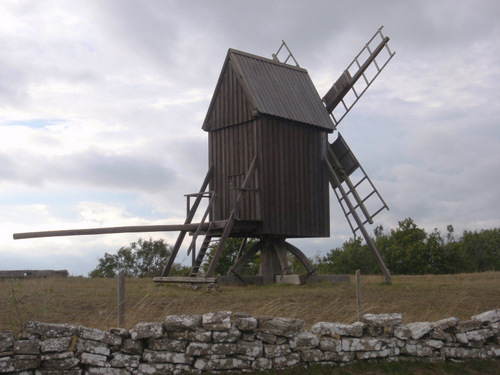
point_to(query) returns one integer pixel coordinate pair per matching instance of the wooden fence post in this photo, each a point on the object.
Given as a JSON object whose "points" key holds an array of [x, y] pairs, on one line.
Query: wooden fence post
{"points": [[121, 299], [358, 293]]}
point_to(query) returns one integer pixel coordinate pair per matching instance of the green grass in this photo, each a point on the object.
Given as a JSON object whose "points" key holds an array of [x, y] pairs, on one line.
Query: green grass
{"points": [[408, 367]]}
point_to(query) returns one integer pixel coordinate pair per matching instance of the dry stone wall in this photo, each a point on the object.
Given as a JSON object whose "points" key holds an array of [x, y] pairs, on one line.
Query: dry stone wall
{"points": [[223, 341]]}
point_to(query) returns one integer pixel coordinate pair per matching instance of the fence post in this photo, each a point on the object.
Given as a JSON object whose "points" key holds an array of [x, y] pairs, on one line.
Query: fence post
{"points": [[121, 299], [358, 293]]}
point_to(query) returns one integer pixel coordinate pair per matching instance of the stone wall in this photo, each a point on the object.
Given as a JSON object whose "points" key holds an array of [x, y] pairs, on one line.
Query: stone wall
{"points": [[226, 341]]}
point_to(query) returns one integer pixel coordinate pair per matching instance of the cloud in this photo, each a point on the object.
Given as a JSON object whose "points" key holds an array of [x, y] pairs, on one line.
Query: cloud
{"points": [[102, 105]]}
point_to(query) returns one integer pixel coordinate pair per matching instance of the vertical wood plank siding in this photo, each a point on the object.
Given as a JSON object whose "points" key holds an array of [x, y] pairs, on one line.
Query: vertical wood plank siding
{"points": [[293, 197], [231, 105]]}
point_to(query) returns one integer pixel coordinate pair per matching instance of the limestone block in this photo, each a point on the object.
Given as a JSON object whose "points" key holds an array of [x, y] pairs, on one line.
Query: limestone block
{"points": [[146, 330], [60, 355], [91, 346], [122, 332], [19, 363], [182, 322], [178, 335], [72, 371], [94, 359], [461, 338], [262, 363], [419, 329], [246, 324], [125, 360], [468, 325], [304, 340], [6, 341], [170, 357], [338, 329], [383, 320], [217, 321], [231, 335], [479, 335], [361, 344], [441, 335], [216, 363], [436, 344], [60, 364], [250, 348], [106, 371], [199, 349], [491, 316], [417, 349], [166, 344], [132, 346], [200, 336], [287, 327], [155, 369], [462, 353], [286, 361], [266, 337], [443, 324], [330, 344], [99, 335], [223, 349], [311, 355], [495, 328], [248, 336], [387, 352], [27, 346], [271, 351], [339, 356], [51, 330], [402, 332], [59, 344]]}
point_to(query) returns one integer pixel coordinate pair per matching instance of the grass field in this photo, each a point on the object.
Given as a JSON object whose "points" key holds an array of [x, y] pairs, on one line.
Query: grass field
{"points": [[93, 302]]}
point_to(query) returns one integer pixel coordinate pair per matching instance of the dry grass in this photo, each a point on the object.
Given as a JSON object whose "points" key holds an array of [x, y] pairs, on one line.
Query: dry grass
{"points": [[93, 302]]}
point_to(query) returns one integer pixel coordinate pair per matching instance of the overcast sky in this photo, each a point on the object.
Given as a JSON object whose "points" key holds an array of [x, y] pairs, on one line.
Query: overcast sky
{"points": [[102, 102]]}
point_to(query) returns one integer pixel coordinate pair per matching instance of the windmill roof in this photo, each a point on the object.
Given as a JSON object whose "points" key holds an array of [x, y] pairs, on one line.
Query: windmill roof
{"points": [[278, 89]]}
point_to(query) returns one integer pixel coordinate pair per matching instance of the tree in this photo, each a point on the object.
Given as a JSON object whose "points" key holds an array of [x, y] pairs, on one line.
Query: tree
{"points": [[229, 255], [144, 258]]}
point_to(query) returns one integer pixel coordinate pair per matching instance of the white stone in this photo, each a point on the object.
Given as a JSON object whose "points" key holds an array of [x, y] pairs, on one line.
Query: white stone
{"points": [[59, 344], [383, 320], [287, 327], [94, 359], [488, 316], [338, 329], [146, 330], [479, 335], [330, 344], [419, 329], [304, 339], [361, 344], [271, 351], [217, 321], [182, 322]]}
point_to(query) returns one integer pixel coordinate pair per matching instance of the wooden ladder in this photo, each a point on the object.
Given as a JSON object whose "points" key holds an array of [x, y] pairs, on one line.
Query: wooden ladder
{"points": [[232, 217], [190, 215]]}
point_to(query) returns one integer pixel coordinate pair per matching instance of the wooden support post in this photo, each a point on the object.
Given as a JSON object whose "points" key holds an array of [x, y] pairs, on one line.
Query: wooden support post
{"points": [[121, 299], [358, 293]]}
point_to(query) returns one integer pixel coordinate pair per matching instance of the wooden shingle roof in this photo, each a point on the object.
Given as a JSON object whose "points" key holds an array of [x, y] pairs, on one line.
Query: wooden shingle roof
{"points": [[274, 89]]}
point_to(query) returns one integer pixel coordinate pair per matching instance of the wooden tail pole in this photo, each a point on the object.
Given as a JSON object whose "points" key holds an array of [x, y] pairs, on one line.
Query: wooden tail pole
{"points": [[121, 299], [109, 230]]}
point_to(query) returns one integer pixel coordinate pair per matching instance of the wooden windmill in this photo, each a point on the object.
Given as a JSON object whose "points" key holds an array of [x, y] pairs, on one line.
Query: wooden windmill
{"points": [[271, 164]]}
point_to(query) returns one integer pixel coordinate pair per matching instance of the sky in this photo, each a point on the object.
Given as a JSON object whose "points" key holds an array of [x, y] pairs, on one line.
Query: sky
{"points": [[102, 102]]}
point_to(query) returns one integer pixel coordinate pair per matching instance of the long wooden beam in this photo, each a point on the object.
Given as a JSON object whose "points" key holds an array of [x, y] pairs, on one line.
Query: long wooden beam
{"points": [[126, 229]]}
